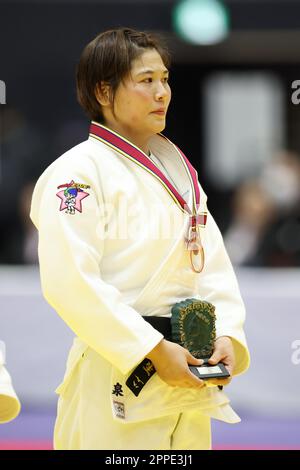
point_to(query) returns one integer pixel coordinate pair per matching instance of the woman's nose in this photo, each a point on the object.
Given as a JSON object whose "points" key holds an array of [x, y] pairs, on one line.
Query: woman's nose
{"points": [[161, 91]]}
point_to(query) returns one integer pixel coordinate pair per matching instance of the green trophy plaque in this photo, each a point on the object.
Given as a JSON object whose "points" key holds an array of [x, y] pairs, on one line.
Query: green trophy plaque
{"points": [[193, 327]]}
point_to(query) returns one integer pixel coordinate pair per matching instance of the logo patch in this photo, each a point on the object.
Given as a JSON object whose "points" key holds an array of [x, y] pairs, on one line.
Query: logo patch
{"points": [[119, 409], [72, 196]]}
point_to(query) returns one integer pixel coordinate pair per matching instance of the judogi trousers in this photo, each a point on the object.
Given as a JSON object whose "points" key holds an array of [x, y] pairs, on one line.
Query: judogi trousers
{"points": [[85, 421]]}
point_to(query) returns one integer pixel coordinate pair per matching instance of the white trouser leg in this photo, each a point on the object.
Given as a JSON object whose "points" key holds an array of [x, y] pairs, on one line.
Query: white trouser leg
{"points": [[193, 432]]}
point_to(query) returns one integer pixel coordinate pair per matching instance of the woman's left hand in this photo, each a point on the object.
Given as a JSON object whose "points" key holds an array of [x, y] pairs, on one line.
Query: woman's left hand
{"points": [[223, 352]]}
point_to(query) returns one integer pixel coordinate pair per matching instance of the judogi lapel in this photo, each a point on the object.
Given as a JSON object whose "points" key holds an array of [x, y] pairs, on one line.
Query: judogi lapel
{"points": [[172, 157]]}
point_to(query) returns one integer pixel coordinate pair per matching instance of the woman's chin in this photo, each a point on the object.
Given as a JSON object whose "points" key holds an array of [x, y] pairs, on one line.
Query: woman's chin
{"points": [[159, 128]]}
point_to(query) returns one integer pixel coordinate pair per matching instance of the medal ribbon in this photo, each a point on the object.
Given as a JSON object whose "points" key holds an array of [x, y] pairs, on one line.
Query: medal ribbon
{"points": [[129, 150]]}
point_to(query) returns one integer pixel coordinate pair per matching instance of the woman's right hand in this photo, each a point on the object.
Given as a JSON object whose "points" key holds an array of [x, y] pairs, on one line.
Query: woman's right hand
{"points": [[171, 363]]}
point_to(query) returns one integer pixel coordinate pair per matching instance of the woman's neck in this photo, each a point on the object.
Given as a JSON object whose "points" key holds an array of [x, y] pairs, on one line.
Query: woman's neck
{"points": [[138, 141]]}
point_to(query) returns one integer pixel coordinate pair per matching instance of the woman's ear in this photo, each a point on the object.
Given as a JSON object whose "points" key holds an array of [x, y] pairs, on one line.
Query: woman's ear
{"points": [[102, 93]]}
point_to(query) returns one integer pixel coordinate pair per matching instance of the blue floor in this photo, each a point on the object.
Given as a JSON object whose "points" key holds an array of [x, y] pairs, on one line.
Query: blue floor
{"points": [[36, 426]]}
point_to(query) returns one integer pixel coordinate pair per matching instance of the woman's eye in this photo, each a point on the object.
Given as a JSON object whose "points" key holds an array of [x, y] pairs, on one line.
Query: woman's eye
{"points": [[165, 79]]}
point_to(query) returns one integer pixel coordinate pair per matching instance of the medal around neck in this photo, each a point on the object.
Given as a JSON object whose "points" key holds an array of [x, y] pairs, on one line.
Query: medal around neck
{"points": [[193, 327]]}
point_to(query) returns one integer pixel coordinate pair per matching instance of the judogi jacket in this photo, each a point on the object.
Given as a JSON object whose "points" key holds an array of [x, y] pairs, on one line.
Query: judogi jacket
{"points": [[112, 249]]}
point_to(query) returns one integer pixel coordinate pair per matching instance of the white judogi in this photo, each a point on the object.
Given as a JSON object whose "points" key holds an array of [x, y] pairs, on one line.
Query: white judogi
{"points": [[121, 256], [9, 402]]}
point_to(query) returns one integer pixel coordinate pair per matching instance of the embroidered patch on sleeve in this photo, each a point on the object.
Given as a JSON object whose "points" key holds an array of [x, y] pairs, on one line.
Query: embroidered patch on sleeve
{"points": [[72, 196]]}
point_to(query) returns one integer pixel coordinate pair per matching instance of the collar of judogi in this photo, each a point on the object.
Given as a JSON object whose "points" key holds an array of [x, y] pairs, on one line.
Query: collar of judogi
{"points": [[128, 150]]}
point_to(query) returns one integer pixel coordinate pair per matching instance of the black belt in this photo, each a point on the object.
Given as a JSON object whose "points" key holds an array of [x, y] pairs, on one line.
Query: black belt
{"points": [[144, 371], [161, 324]]}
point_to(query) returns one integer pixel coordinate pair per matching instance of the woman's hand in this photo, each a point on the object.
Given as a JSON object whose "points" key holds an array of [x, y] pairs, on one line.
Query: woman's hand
{"points": [[171, 363], [223, 352]]}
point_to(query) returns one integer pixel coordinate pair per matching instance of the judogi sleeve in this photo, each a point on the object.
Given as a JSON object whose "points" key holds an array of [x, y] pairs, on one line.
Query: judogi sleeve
{"points": [[218, 285], [10, 405], [70, 254]]}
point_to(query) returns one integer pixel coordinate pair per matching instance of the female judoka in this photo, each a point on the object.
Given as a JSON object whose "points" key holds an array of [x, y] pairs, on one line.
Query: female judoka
{"points": [[137, 239]]}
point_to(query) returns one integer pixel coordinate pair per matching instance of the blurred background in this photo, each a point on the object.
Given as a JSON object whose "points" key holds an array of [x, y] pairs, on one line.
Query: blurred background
{"points": [[235, 112]]}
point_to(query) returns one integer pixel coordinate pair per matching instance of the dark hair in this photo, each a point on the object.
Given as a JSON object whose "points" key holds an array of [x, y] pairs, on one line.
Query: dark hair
{"points": [[108, 58]]}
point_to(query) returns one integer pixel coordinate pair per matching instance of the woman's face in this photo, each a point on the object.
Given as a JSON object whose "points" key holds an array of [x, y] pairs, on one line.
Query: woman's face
{"points": [[144, 91]]}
